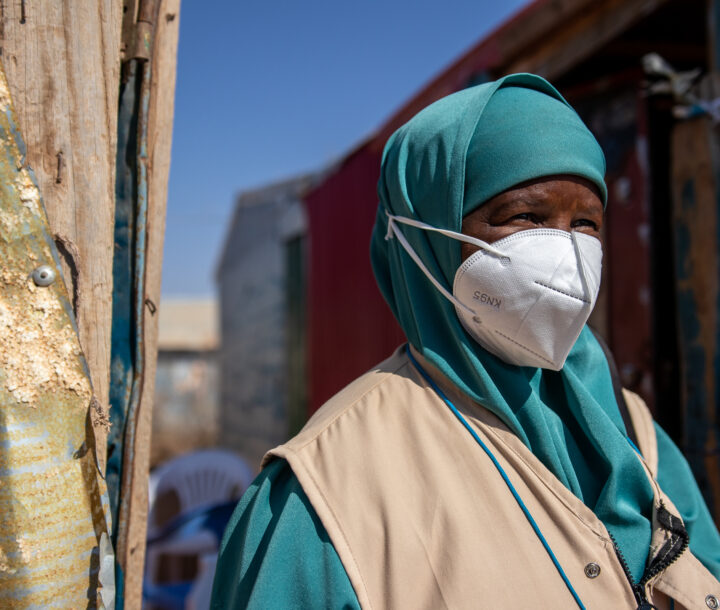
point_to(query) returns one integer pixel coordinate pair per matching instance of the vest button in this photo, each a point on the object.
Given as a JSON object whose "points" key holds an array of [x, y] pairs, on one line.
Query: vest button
{"points": [[592, 570], [712, 602]]}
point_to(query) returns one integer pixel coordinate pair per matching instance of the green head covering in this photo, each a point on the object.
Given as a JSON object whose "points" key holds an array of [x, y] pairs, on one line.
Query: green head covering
{"points": [[450, 158], [524, 134]]}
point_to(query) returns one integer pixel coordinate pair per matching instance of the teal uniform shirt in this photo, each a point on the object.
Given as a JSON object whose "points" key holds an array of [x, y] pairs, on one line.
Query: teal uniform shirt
{"points": [[277, 554]]}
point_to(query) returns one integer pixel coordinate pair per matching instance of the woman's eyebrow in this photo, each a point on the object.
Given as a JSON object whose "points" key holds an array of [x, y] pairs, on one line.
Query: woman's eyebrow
{"points": [[522, 201]]}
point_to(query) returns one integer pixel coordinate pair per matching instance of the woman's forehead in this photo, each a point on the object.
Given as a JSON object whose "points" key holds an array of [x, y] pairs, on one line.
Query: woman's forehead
{"points": [[547, 193]]}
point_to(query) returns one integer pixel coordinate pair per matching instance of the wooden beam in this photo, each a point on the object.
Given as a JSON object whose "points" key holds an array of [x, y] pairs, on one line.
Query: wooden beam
{"points": [[671, 51], [695, 161], [568, 45]]}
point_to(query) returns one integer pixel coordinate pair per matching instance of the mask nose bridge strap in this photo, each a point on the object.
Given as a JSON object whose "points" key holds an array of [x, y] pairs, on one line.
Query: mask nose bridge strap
{"points": [[393, 231], [581, 266]]}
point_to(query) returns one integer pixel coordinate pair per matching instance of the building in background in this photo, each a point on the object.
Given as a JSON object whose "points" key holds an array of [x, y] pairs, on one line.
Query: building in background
{"points": [[261, 288], [185, 417]]}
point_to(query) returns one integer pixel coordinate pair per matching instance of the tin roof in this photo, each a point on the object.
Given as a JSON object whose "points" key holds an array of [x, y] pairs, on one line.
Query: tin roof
{"points": [[188, 325]]}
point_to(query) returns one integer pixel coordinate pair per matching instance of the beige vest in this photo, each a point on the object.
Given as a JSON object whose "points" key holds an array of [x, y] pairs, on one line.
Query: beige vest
{"points": [[421, 518]]}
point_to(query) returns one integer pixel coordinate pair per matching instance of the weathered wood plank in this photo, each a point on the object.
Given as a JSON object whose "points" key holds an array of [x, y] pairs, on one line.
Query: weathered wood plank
{"points": [[62, 61], [695, 161], [566, 46], [162, 97]]}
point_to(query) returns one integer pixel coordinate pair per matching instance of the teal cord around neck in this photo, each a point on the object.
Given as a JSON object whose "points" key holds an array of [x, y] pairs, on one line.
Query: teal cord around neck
{"points": [[504, 476]]}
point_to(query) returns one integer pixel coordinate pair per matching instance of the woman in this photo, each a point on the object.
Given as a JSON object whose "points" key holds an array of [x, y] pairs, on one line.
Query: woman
{"points": [[487, 463]]}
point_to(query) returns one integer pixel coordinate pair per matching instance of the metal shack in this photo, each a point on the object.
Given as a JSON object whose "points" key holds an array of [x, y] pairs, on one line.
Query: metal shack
{"points": [[659, 305], [261, 302], [186, 381]]}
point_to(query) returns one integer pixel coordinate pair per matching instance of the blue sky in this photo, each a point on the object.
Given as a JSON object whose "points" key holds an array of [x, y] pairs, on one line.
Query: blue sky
{"points": [[266, 90]]}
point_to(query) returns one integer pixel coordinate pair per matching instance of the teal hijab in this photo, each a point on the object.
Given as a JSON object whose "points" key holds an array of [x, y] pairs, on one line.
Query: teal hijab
{"points": [[449, 159]]}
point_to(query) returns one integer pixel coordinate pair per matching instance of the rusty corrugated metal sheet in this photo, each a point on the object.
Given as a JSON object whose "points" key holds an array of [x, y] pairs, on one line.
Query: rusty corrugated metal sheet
{"points": [[350, 326], [53, 500]]}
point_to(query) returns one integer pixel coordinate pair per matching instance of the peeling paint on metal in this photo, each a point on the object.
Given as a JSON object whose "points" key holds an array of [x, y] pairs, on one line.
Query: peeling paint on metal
{"points": [[53, 504], [126, 373], [37, 354]]}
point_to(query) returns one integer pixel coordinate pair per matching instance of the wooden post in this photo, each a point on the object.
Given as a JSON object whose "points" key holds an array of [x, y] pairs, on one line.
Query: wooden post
{"points": [[695, 162], [63, 63]]}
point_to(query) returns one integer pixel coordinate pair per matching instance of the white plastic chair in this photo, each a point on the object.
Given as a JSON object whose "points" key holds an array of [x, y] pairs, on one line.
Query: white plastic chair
{"points": [[182, 491]]}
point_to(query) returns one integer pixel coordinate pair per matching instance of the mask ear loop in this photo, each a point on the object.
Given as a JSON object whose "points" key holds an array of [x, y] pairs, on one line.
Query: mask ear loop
{"points": [[393, 231], [459, 236]]}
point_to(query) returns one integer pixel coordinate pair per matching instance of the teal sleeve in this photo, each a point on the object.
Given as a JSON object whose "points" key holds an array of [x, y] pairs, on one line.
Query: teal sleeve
{"points": [[677, 481], [275, 552]]}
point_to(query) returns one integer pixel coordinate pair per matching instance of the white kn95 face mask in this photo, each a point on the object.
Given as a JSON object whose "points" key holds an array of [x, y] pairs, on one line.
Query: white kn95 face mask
{"points": [[524, 298]]}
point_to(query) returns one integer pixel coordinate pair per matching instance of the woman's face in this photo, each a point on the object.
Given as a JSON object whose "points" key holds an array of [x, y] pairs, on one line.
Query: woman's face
{"points": [[568, 203]]}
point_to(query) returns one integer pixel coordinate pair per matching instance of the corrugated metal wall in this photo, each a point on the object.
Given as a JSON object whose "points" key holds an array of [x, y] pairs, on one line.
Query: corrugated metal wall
{"points": [[350, 328]]}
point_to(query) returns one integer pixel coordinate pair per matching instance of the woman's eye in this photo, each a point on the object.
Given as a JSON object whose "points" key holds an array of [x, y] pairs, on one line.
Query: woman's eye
{"points": [[586, 222], [525, 216]]}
